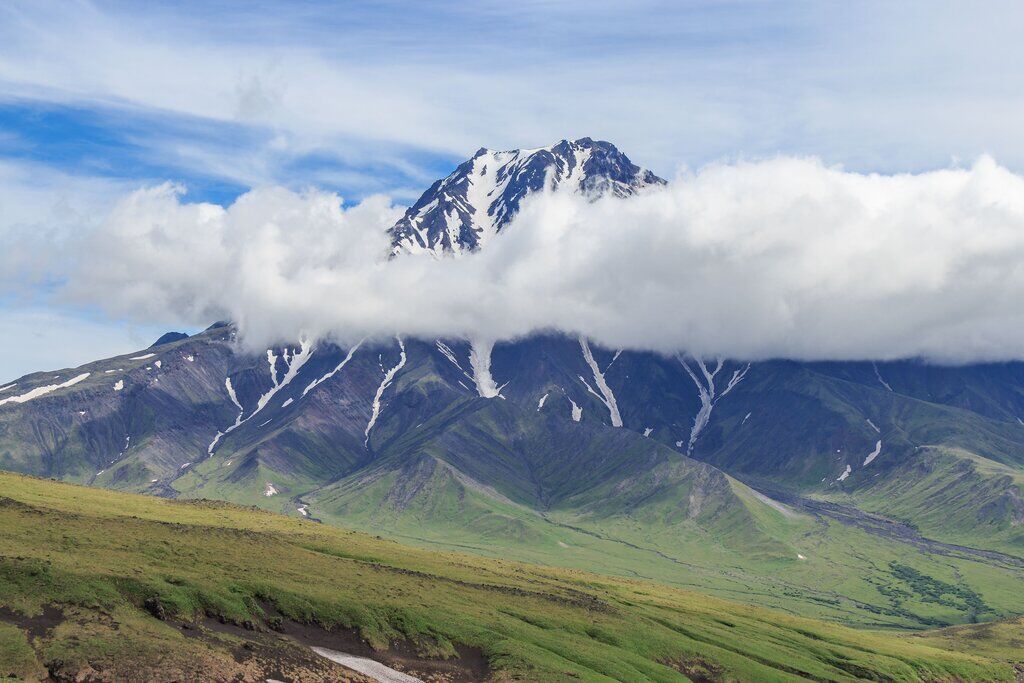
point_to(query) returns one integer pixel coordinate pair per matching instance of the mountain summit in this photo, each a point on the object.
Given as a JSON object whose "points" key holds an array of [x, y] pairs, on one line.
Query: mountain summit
{"points": [[458, 214]]}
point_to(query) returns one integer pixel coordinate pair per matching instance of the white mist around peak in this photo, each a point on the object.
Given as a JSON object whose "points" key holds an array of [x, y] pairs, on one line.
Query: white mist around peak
{"points": [[778, 258]]}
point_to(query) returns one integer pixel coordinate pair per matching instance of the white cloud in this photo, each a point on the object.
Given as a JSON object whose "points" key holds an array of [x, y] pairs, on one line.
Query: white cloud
{"points": [[875, 85], [42, 213], [40, 209], [785, 257]]}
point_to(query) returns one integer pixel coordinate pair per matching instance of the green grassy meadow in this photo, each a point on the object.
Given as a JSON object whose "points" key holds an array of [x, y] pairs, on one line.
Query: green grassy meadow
{"points": [[108, 561]]}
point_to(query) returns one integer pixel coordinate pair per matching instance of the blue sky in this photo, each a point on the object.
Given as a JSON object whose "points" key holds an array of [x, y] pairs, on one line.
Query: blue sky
{"points": [[99, 98]]}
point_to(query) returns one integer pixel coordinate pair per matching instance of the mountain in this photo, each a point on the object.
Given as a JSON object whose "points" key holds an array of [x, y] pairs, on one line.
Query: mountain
{"points": [[626, 463], [461, 212], [877, 494]]}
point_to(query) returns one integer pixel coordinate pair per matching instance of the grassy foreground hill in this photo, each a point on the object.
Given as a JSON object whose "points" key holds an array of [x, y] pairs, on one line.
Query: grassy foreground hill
{"points": [[100, 585]]}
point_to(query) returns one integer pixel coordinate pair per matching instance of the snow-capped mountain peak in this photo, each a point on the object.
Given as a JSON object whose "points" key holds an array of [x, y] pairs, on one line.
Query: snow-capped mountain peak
{"points": [[460, 213]]}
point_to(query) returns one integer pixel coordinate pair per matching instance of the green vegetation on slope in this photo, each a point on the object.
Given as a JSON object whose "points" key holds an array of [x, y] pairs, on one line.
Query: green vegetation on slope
{"points": [[683, 528], [955, 495], [109, 564]]}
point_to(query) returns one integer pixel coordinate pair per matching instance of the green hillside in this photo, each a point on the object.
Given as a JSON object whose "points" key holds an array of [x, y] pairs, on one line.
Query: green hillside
{"points": [[125, 587], [955, 495], [491, 478]]}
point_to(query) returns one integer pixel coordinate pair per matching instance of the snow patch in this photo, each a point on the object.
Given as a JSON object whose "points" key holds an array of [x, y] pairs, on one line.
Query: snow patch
{"points": [[287, 403], [389, 375], [706, 391], [119, 385], [540, 403], [143, 356], [879, 376], [43, 391], [231, 393], [317, 382], [272, 362], [293, 360], [873, 426], [450, 355], [480, 361], [874, 454], [367, 667], [845, 474], [577, 411], [647, 432], [190, 359], [269, 490], [11, 386], [238, 420], [606, 396]]}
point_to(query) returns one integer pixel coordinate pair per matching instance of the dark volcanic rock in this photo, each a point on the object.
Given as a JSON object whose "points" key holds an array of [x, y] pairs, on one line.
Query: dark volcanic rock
{"points": [[169, 337]]}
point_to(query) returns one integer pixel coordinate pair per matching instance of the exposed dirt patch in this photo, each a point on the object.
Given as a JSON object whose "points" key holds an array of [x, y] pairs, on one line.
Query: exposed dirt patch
{"points": [[261, 655], [278, 632], [277, 664], [38, 625], [215, 661], [697, 670], [469, 667], [12, 504]]}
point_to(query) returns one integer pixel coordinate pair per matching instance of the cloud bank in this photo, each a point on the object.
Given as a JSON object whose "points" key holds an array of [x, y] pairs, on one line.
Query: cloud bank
{"points": [[779, 258]]}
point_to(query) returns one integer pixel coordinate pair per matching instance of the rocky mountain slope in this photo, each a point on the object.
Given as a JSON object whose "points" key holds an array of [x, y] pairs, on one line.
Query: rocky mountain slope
{"points": [[460, 213], [628, 463]]}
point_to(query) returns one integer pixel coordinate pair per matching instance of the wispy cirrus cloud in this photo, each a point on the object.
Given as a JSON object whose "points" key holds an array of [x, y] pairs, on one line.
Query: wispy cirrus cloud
{"points": [[669, 82]]}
